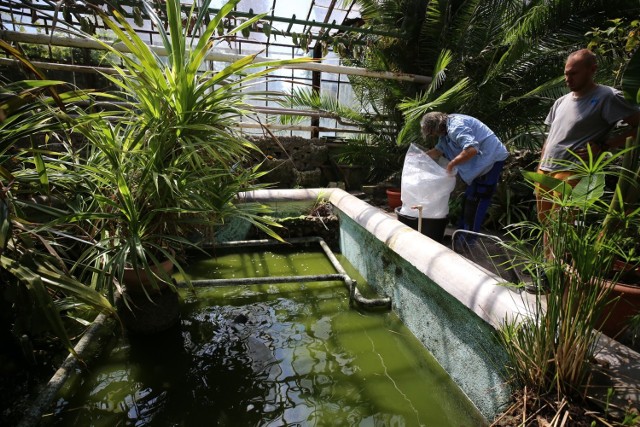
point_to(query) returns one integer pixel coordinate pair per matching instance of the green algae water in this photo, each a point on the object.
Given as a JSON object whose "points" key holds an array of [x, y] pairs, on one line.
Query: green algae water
{"points": [[290, 354]]}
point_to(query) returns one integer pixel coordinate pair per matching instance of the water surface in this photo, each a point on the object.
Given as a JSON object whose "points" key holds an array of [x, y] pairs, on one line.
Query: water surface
{"points": [[270, 355]]}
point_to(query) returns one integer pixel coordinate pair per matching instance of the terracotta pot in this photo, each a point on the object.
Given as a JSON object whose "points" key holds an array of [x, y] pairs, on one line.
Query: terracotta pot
{"points": [[393, 198], [134, 281], [143, 315], [152, 311], [628, 272], [618, 312], [623, 301]]}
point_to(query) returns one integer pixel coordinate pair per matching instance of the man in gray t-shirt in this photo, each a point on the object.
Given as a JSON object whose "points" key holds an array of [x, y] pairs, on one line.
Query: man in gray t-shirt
{"points": [[575, 121], [585, 116]]}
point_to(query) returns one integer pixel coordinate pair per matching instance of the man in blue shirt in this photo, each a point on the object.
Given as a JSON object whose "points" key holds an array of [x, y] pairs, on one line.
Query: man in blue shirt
{"points": [[474, 152]]}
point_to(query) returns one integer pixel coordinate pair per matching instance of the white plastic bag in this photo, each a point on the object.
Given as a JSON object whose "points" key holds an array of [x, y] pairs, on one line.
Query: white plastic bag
{"points": [[426, 183]]}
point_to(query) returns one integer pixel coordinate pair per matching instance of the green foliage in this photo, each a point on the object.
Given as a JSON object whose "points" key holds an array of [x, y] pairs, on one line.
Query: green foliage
{"points": [[550, 348], [511, 55], [37, 283], [432, 100], [161, 173], [631, 79], [615, 44]]}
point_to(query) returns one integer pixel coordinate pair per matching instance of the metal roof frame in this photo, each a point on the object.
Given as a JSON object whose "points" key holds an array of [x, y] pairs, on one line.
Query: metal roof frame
{"points": [[334, 21], [275, 33]]}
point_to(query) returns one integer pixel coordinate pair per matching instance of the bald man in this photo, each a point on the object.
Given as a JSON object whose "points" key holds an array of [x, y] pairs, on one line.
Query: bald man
{"points": [[583, 117]]}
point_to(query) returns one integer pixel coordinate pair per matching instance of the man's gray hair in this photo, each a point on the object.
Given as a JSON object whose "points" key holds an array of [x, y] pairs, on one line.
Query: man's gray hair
{"points": [[434, 121]]}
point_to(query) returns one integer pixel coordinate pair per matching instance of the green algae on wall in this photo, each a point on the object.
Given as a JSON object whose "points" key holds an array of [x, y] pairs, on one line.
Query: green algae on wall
{"points": [[461, 341]]}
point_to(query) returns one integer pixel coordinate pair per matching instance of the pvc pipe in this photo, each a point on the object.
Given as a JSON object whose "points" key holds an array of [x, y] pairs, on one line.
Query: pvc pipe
{"points": [[264, 280], [33, 415], [354, 293], [419, 207], [261, 242]]}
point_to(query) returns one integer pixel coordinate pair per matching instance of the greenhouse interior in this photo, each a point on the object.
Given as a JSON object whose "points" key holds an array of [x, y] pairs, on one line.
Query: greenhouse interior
{"points": [[320, 212]]}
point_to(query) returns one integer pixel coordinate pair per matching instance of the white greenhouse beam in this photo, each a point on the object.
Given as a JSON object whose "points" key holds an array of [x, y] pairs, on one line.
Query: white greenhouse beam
{"points": [[276, 127], [44, 39], [60, 67]]}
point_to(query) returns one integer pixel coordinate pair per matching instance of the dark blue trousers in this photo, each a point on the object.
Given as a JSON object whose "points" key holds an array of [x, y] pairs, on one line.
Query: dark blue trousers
{"points": [[477, 198]]}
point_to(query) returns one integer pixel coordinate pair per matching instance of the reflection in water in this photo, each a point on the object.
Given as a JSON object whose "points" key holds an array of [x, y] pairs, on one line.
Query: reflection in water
{"points": [[271, 355]]}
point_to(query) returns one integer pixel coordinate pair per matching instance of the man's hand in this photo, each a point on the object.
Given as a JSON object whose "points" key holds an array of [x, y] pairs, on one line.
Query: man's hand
{"points": [[464, 156], [450, 167]]}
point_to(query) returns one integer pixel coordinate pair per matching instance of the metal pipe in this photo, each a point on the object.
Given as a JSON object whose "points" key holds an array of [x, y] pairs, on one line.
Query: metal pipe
{"points": [[240, 14], [316, 77], [351, 284], [16, 36], [325, 25], [293, 112], [254, 108], [496, 239], [354, 292], [265, 280], [245, 125], [61, 67]]}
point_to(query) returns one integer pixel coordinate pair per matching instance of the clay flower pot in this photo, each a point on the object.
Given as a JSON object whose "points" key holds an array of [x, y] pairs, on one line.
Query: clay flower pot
{"points": [[147, 308], [135, 281], [624, 303], [393, 198]]}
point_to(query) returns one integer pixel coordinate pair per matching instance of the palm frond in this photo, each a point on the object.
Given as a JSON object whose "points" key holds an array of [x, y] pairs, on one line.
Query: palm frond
{"points": [[453, 96]]}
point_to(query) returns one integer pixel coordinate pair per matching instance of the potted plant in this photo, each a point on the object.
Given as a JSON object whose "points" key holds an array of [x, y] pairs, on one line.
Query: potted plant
{"points": [[606, 221], [552, 348], [159, 174], [623, 214], [621, 220]]}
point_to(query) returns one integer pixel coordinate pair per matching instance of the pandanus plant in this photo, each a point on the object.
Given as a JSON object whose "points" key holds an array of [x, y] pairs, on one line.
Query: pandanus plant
{"points": [[163, 168]]}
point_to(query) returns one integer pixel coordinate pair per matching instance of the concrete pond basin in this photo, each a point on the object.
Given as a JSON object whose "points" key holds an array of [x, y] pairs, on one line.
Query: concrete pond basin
{"points": [[452, 305]]}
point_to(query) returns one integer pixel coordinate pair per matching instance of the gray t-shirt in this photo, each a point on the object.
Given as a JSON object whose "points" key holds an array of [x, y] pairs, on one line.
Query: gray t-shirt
{"points": [[576, 121]]}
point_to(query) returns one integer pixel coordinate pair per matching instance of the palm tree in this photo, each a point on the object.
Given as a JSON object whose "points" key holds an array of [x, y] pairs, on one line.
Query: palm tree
{"points": [[512, 53]]}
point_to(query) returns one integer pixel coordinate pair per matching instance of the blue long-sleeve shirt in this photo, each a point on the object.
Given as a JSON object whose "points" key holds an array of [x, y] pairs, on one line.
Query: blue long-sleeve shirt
{"points": [[464, 132]]}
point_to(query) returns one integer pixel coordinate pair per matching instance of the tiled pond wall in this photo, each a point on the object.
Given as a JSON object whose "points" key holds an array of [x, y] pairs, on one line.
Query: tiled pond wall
{"points": [[451, 305]]}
